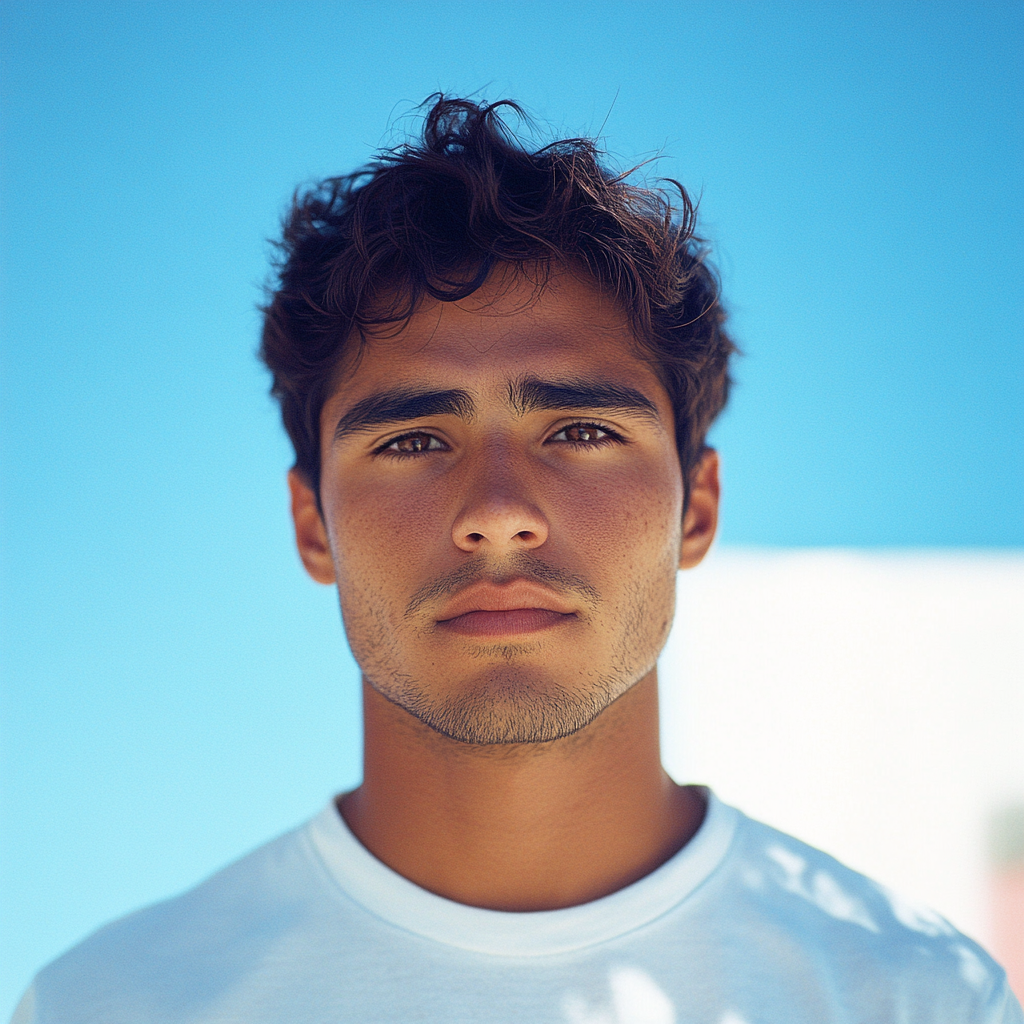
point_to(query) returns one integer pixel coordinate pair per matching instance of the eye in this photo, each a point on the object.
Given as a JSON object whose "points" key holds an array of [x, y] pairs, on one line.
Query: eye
{"points": [[413, 443], [585, 435]]}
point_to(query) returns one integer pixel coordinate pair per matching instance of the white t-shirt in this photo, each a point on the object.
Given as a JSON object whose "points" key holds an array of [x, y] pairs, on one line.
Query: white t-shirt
{"points": [[743, 926]]}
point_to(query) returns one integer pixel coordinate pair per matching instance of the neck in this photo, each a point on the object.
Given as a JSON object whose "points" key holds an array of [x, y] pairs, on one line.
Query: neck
{"points": [[521, 827]]}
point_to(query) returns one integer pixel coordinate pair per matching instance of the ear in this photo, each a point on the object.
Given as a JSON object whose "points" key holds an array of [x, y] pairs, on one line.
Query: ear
{"points": [[310, 532], [701, 517]]}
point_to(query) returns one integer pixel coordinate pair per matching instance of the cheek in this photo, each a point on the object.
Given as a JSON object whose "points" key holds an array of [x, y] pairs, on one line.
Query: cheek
{"points": [[629, 521], [386, 531]]}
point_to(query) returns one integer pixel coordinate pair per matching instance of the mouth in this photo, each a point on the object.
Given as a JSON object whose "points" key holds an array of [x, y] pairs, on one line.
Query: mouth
{"points": [[514, 622], [491, 610]]}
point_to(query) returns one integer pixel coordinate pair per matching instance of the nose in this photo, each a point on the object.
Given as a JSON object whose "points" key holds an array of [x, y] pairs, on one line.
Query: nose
{"points": [[498, 514]]}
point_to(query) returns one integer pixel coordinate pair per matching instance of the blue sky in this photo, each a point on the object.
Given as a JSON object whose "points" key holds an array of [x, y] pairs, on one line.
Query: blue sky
{"points": [[174, 689]]}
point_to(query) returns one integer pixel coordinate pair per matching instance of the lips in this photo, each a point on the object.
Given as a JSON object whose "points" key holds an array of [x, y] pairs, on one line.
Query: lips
{"points": [[510, 623], [487, 609]]}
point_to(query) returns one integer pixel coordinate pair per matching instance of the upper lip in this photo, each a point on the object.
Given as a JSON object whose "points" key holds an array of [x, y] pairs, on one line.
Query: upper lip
{"points": [[503, 597]]}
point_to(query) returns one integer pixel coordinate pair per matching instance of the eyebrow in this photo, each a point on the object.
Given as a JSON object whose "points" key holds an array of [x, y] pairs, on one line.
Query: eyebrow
{"points": [[528, 394], [397, 404]]}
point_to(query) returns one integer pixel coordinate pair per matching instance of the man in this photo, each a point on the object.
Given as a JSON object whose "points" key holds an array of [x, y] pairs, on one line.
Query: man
{"points": [[498, 368]]}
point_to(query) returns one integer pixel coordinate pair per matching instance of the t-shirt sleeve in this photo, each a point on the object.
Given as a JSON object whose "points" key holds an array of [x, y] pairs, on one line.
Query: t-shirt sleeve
{"points": [[1005, 1007], [25, 1011]]}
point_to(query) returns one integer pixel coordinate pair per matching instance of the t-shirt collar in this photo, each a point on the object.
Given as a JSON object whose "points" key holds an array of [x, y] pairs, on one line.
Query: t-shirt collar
{"points": [[395, 899]]}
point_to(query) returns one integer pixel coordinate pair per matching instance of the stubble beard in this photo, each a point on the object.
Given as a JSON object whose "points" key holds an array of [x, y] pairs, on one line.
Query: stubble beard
{"points": [[508, 706], [510, 702]]}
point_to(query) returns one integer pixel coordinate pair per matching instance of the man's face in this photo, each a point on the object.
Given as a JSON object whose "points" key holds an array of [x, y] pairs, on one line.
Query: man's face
{"points": [[503, 504]]}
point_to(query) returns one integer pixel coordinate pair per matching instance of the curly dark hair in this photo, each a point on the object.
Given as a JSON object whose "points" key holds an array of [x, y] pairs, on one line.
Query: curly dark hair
{"points": [[434, 217]]}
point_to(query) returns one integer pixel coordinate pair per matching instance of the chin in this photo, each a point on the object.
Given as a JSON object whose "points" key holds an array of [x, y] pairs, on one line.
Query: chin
{"points": [[508, 706]]}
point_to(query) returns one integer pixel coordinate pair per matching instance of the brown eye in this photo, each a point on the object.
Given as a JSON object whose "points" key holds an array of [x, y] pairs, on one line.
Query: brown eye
{"points": [[583, 433], [413, 444]]}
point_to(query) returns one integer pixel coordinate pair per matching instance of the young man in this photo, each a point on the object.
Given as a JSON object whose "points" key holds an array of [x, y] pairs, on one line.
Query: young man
{"points": [[498, 368]]}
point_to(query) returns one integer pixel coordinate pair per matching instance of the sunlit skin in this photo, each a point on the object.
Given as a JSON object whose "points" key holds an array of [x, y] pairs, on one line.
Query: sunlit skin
{"points": [[505, 561]]}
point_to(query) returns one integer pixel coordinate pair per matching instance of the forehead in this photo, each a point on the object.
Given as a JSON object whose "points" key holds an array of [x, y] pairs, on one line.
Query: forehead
{"points": [[508, 328]]}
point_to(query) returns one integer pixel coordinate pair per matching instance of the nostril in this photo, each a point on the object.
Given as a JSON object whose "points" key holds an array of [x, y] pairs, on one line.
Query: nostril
{"points": [[476, 537]]}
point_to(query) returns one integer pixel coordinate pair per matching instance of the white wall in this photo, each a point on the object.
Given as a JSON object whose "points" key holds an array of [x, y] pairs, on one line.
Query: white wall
{"points": [[872, 704]]}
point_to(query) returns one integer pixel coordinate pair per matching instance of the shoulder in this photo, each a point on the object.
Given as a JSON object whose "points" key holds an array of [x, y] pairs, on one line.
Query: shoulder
{"points": [[154, 963], [856, 933]]}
